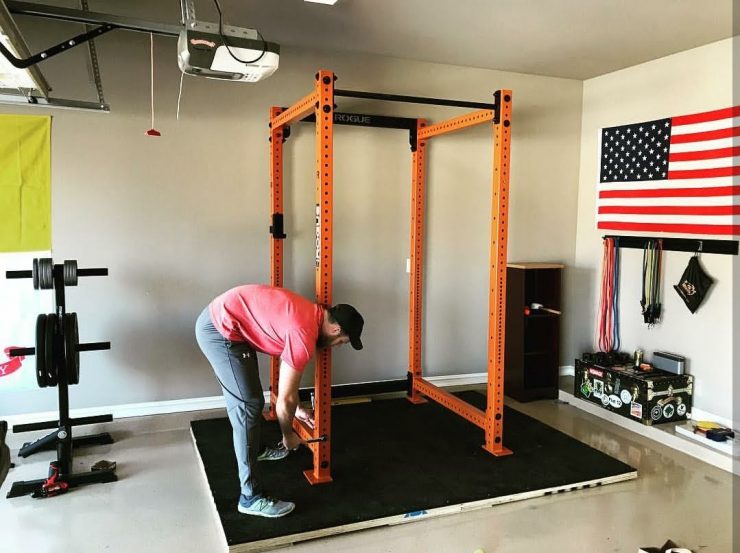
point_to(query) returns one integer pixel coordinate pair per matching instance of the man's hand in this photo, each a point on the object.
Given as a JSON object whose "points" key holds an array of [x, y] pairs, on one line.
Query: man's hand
{"points": [[305, 415]]}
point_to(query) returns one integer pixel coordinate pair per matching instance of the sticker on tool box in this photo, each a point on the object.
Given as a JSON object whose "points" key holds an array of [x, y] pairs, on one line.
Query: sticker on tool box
{"points": [[636, 410], [598, 388], [614, 401], [594, 372], [586, 389], [625, 396]]}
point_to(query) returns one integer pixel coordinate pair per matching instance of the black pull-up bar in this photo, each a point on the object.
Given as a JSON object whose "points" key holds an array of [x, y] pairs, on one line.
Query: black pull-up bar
{"points": [[368, 120], [726, 247], [412, 99]]}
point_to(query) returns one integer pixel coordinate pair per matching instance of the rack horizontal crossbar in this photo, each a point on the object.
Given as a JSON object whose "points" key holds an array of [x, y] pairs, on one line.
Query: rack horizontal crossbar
{"points": [[456, 124], [725, 247], [360, 389], [412, 99], [368, 120], [451, 402], [295, 112]]}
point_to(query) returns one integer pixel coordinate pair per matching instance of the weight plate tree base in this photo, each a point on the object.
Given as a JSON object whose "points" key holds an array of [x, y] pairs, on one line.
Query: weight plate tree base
{"points": [[394, 462], [27, 487]]}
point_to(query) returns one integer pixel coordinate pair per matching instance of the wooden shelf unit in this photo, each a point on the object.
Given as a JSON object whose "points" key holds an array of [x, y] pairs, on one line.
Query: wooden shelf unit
{"points": [[532, 341]]}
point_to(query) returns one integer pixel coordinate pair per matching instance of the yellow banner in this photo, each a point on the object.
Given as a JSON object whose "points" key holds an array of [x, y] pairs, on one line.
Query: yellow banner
{"points": [[25, 183]]}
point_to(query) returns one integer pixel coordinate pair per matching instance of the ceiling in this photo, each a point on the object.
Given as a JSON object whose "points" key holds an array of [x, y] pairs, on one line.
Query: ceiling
{"points": [[576, 39]]}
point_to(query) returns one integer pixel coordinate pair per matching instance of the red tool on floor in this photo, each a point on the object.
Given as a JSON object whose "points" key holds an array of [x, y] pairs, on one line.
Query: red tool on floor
{"points": [[53, 485]]}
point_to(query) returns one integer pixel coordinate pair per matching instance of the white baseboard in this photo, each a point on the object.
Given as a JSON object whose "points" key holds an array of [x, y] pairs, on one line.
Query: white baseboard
{"points": [[125, 410], [568, 370], [196, 404], [663, 434]]}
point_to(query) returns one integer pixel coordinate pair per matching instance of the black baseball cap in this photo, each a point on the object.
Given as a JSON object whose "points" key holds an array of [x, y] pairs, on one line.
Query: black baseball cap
{"points": [[351, 322]]}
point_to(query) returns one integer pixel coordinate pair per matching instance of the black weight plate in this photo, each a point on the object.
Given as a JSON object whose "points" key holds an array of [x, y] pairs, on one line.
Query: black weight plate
{"points": [[51, 364], [71, 341], [70, 272], [35, 273], [46, 273], [41, 350]]}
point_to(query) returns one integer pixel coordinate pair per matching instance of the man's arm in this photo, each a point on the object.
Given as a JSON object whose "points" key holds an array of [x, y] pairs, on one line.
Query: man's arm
{"points": [[287, 402]]}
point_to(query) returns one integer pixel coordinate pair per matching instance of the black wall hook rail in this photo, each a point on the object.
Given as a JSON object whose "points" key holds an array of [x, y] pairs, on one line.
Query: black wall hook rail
{"points": [[724, 247]]}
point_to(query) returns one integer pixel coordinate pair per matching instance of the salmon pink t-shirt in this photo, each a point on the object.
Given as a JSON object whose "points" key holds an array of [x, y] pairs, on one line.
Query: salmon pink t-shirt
{"points": [[273, 320]]}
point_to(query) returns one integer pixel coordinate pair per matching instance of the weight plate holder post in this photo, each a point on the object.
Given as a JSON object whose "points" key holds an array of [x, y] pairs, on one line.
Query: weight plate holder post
{"points": [[57, 364]]}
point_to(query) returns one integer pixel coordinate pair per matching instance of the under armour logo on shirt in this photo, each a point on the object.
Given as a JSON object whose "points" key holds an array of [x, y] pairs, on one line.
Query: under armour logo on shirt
{"points": [[245, 355]]}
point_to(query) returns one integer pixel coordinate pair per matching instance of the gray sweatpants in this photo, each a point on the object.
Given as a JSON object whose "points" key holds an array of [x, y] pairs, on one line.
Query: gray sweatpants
{"points": [[235, 365]]}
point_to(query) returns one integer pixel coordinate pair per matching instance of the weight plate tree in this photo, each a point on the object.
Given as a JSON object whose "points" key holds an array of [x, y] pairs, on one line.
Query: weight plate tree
{"points": [[58, 365]]}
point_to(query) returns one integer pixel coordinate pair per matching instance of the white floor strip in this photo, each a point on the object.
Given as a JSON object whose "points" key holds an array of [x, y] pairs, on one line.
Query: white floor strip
{"points": [[406, 518]]}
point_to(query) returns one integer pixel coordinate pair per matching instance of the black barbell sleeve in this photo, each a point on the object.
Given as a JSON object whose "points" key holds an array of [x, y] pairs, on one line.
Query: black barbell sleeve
{"points": [[92, 272], [93, 346], [18, 352], [80, 272], [18, 274]]}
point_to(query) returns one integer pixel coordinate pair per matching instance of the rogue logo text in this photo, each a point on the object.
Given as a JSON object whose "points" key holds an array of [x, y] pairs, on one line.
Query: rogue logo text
{"points": [[352, 118]]}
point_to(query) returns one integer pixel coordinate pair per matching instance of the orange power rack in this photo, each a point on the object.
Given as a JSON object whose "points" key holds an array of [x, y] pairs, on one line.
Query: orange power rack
{"points": [[492, 420], [320, 102], [319, 107]]}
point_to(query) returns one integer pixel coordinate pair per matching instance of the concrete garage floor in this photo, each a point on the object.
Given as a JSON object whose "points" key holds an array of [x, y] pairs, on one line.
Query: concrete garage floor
{"points": [[161, 502]]}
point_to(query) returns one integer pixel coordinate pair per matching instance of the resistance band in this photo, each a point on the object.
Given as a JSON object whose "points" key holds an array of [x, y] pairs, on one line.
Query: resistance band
{"points": [[608, 327], [651, 264]]}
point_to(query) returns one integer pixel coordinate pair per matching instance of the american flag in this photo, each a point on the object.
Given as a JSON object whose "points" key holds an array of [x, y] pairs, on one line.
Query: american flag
{"points": [[677, 175]]}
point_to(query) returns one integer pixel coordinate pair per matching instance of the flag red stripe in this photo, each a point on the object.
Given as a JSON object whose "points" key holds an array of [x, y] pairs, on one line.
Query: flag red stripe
{"points": [[705, 135], [665, 227], [706, 116], [704, 173], [672, 209], [672, 192], [705, 154]]}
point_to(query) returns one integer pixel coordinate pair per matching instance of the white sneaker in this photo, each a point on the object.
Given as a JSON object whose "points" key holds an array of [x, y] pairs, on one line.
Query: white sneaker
{"points": [[274, 453], [267, 507]]}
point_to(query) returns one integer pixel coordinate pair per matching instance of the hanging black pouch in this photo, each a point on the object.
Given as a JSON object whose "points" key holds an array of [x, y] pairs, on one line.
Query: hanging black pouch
{"points": [[694, 284]]}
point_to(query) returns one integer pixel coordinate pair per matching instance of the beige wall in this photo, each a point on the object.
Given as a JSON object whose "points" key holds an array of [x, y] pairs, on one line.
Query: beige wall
{"points": [[181, 218], [684, 83]]}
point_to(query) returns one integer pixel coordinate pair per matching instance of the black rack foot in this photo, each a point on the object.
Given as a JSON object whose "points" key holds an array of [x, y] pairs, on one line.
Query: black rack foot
{"points": [[27, 487], [92, 439], [49, 443]]}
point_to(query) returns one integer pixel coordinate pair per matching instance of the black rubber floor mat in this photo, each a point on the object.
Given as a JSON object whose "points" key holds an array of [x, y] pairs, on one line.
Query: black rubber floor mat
{"points": [[390, 457]]}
